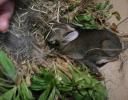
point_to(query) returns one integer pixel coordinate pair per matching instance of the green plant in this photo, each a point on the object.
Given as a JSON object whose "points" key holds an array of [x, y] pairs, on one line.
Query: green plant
{"points": [[57, 84], [94, 15], [9, 89], [49, 84], [7, 67]]}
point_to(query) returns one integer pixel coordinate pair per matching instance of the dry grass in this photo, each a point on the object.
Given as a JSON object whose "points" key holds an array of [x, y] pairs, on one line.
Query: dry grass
{"points": [[31, 18]]}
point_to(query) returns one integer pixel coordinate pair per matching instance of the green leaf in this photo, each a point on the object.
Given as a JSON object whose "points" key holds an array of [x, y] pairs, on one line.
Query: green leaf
{"points": [[71, 7], [117, 15], [98, 6], [9, 94], [90, 26], [24, 92], [90, 92], [62, 77], [42, 80], [16, 98], [48, 94], [39, 83], [102, 6], [63, 82], [7, 67], [84, 17], [52, 94], [65, 87], [6, 84], [45, 94]]}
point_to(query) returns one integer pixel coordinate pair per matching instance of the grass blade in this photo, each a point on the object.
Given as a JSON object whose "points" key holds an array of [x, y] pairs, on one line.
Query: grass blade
{"points": [[7, 67]]}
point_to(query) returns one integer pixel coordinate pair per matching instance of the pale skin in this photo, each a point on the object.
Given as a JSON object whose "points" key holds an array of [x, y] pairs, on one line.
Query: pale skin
{"points": [[6, 11]]}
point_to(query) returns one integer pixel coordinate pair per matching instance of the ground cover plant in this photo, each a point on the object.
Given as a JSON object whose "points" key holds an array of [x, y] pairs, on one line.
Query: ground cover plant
{"points": [[48, 84]]}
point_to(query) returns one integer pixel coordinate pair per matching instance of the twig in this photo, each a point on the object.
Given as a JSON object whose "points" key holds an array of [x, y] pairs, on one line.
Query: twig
{"points": [[32, 8], [122, 21], [58, 12]]}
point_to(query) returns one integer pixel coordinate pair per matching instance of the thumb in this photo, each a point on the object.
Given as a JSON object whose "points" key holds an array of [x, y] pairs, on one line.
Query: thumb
{"points": [[4, 23]]}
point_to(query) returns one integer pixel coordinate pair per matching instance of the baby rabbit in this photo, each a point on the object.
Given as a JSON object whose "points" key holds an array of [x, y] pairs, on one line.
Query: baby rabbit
{"points": [[88, 46]]}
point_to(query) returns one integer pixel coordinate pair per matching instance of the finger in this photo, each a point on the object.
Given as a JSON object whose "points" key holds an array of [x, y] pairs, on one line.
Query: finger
{"points": [[6, 11], [2, 1]]}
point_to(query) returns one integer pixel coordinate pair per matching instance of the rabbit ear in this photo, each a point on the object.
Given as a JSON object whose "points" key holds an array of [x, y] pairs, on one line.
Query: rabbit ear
{"points": [[71, 36], [53, 22]]}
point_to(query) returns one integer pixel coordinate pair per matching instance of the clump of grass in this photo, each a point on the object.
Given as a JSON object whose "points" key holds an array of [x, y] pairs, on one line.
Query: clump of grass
{"points": [[92, 15], [48, 84], [10, 89], [77, 85]]}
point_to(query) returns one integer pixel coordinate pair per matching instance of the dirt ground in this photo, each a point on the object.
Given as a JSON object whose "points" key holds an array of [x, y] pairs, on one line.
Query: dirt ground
{"points": [[116, 73]]}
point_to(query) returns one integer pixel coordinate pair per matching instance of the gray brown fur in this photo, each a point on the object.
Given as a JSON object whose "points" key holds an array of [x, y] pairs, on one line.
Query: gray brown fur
{"points": [[92, 47]]}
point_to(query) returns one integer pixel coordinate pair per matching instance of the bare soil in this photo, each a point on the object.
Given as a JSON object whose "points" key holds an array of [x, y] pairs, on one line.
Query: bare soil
{"points": [[116, 73]]}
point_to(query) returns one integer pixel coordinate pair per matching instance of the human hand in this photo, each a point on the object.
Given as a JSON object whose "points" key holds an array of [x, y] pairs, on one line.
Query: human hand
{"points": [[6, 11]]}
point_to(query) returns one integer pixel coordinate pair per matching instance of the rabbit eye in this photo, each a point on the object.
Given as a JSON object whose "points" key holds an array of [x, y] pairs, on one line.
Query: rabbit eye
{"points": [[53, 43]]}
